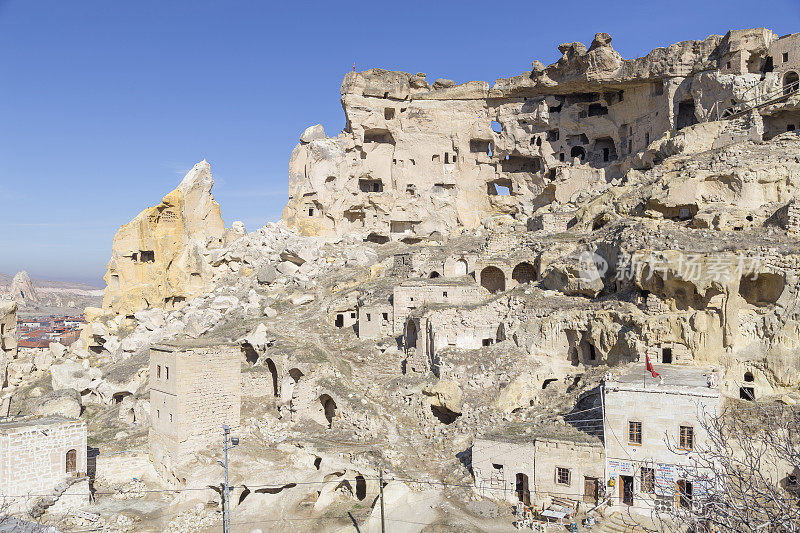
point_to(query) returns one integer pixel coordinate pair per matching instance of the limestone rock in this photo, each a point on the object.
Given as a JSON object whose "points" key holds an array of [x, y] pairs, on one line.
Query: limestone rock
{"points": [[65, 402], [157, 259], [313, 133], [22, 289]]}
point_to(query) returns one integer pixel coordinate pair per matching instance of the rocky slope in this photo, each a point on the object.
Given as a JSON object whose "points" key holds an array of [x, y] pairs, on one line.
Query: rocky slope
{"points": [[664, 231]]}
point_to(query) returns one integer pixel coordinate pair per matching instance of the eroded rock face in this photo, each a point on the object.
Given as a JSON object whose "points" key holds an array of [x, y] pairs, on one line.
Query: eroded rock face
{"points": [[157, 259], [22, 289], [417, 161], [8, 338]]}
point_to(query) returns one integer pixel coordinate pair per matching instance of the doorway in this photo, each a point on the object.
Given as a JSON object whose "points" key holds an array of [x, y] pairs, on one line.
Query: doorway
{"points": [[626, 489], [590, 490], [685, 489], [666, 356], [522, 490]]}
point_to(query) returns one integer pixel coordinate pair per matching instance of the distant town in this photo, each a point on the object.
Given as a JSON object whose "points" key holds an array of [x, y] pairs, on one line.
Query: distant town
{"points": [[40, 332]]}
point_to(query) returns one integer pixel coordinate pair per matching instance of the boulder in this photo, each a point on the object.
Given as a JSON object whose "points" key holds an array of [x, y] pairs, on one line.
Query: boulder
{"points": [[73, 375], [313, 133], [267, 275], [65, 402], [151, 319]]}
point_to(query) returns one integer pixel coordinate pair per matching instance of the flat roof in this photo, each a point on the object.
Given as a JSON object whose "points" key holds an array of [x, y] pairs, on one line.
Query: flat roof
{"points": [[440, 281], [529, 433], [677, 379], [9, 425]]}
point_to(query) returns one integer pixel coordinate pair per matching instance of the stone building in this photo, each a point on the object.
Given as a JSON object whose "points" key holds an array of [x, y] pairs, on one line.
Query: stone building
{"points": [[414, 294], [44, 457], [562, 463], [650, 431], [375, 317], [193, 391], [8, 337]]}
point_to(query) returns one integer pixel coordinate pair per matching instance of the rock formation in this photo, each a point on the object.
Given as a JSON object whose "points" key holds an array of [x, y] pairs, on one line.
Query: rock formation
{"points": [[22, 289], [157, 259], [8, 337], [404, 306]]}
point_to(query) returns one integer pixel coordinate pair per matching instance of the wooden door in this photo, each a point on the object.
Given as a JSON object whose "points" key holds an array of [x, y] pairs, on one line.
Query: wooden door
{"points": [[590, 489]]}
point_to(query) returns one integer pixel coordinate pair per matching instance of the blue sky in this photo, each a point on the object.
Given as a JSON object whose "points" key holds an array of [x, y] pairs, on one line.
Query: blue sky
{"points": [[105, 105]]}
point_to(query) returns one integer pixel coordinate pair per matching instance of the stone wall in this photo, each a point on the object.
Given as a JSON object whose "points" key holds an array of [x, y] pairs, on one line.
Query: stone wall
{"points": [[418, 293], [512, 458], [581, 461], [34, 454]]}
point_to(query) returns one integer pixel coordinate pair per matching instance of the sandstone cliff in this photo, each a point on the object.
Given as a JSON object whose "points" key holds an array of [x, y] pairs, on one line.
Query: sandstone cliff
{"points": [[157, 259]]}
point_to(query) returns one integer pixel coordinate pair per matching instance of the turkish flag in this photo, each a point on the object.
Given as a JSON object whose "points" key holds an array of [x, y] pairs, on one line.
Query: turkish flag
{"points": [[649, 366]]}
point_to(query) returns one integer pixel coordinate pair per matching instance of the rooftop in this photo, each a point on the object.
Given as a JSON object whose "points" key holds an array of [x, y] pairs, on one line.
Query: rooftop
{"points": [[529, 432], [9, 425], [677, 379], [440, 282]]}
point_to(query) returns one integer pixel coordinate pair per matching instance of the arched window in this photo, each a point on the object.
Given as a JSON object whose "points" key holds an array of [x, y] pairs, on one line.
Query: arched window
{"points": [[72, 462]]}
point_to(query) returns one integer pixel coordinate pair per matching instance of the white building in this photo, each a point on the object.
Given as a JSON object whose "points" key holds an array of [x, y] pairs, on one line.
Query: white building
{"points": [[556, 462], [651, 429], [41, 457]]}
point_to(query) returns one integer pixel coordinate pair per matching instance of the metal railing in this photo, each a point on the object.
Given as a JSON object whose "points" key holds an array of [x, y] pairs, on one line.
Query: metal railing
{"points": [[759, 100]]}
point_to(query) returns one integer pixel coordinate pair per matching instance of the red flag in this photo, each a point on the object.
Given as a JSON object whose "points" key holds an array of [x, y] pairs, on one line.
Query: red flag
{"points": [[354, 66], [649, 366]]}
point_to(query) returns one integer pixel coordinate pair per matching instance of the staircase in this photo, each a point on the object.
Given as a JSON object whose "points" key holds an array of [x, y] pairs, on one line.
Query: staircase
{"points": [[41, 505], [757, 102]]}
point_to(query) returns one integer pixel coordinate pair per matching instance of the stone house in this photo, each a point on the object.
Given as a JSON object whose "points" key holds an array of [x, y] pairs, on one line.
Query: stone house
{"points": [[783, 56], [557, 462], [193, 391], [375, 317], [414, 294], [44, 456], [650, 431]]}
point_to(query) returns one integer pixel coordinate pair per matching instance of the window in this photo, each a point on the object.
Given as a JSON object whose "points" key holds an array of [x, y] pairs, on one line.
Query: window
{"points": [[687, 438], [311, 211], [72, 461], [647, 138], [648, 480], [166, 368], [634, 432], [444, 294], [352, 315], [170, 417], [728, 65], [158, 371], [386, 316], [562, 475], [368, 317], [785, 57]]}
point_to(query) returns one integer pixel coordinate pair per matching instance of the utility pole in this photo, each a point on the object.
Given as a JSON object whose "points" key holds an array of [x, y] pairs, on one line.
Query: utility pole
{"points": [[226, 489], [383, 519]]}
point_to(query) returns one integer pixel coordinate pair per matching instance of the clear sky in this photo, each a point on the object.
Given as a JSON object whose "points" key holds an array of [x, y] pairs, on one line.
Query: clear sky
{"points": [[104, 105]]}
